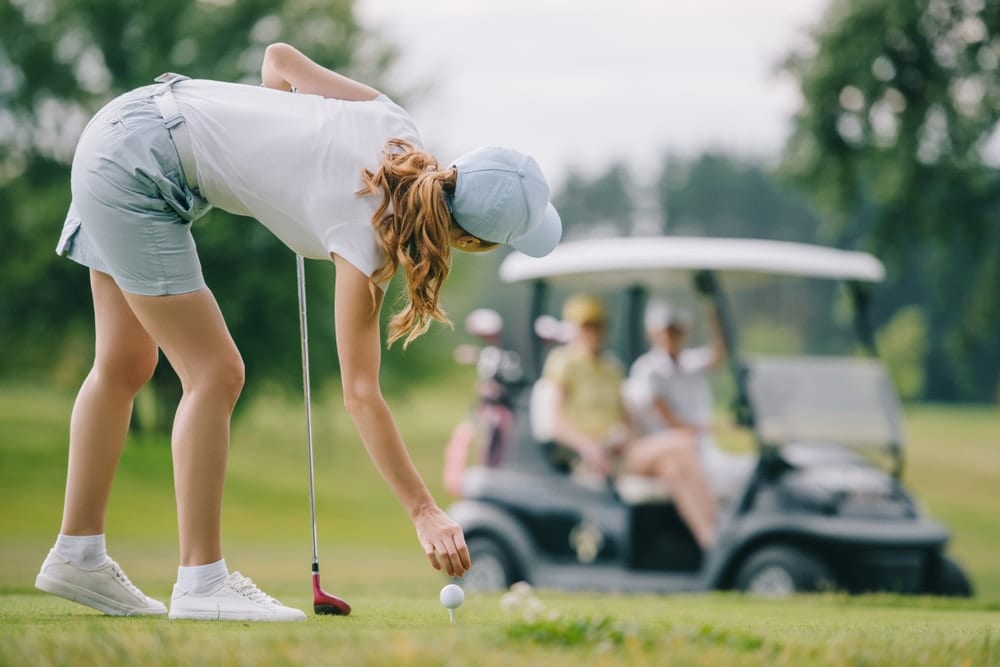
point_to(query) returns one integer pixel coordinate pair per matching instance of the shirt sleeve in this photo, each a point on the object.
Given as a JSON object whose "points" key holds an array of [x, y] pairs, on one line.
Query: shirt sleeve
{"points": [[556, 367], [356, 243], [614, 366], [641, 385], [697, 359]]}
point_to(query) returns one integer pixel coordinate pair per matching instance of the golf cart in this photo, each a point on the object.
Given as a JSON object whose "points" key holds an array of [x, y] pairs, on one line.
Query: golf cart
{"points": [[821, 505]]}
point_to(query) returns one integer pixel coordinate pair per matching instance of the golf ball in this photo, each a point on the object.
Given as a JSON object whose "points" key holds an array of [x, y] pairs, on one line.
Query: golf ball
{"points": [[452, 596]]}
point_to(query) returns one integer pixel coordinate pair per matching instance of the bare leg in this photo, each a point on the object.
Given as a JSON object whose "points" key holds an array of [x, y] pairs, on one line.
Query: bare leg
{"points": [[674, 459], [124, 359], [706, 498], [190, 330], [694, 502]]}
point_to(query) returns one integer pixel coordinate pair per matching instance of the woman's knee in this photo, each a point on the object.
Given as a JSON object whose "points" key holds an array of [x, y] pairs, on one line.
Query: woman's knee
{"points": [[127, 370], [235, 376], [668, 470], [679, 460], [687, 449], [223, 377]]}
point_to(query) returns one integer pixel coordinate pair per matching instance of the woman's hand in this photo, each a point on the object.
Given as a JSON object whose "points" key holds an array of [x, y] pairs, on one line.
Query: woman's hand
{"points": [[443, 541], [596, 458]]}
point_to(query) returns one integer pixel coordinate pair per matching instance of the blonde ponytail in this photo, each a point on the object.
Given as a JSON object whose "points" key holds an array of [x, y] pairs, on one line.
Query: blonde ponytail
{"points": [[413, 227]]}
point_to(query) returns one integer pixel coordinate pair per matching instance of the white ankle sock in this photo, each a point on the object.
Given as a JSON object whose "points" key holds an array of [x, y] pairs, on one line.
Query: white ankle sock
{"points": [[86, 551], [200, 579]]}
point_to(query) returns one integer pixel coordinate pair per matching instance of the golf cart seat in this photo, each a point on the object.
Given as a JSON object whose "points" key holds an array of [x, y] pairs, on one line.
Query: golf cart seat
{"points": [[632, 489]]}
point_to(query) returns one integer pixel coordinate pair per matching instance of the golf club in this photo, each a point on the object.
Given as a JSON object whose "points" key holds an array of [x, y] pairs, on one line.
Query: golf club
{"points": [[323, 602]]}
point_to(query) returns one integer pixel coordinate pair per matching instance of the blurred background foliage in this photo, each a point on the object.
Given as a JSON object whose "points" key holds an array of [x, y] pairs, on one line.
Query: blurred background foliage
{"points": [[898, 144], [895, 150]]}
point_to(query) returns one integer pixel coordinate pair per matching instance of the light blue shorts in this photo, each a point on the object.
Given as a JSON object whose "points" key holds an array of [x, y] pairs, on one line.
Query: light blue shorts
{"points": [[132, 209]]}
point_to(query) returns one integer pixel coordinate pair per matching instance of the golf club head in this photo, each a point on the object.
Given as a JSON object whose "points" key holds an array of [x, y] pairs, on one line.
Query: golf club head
{"points": [[324, 603]]}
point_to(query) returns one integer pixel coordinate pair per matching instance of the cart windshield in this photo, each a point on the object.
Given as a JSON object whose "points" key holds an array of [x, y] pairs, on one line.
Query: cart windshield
{"points": [[847, 401]]}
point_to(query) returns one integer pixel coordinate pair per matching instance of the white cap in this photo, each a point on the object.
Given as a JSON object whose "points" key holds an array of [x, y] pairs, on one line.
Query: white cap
{"points": [[502, 196], [660, 315]]}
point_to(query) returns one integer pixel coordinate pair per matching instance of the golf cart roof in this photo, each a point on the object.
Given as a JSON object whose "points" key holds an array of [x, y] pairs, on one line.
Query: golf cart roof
{"points": [[647, 260]]}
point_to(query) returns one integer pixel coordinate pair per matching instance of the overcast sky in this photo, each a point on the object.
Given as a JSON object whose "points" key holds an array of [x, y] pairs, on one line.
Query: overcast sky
{"points": [[583, 82]]}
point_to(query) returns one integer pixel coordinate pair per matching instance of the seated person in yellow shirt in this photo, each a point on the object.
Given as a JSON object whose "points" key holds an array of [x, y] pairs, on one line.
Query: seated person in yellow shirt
{"points": [[589, 418]]}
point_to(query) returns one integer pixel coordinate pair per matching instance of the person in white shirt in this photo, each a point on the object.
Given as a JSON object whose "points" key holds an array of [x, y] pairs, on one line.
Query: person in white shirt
{"points": [[671, 379], [337, 173], [669, 389]]}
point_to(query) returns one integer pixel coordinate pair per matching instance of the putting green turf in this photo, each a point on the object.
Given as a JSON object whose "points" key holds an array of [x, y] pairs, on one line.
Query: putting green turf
{"points": [[370, 556], [395, 629]]}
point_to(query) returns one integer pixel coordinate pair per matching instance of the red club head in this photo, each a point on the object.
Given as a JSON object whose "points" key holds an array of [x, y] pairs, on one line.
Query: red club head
{"points": [[324, 603]]}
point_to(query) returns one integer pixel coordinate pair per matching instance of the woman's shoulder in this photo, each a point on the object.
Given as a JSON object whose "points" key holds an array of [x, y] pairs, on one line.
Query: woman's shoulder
{"points": [[399, 123], [611, 363]]}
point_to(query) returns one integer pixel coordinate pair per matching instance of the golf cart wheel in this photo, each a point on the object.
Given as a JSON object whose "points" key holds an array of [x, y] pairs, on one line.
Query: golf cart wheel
{"points": [[491, 566], [945, 577], [780, 571]]}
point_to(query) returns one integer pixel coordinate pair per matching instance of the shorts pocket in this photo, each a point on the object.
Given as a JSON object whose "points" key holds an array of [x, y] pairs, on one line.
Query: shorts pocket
{"points": [[70, 227]]}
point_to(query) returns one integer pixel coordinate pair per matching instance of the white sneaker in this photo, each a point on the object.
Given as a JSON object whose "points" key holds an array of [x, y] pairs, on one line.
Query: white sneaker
{"points": [[236, 599], [105, 589]]}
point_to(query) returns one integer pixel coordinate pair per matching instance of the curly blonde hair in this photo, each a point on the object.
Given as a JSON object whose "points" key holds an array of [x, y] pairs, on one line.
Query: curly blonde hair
{"points": [[413, 227]]}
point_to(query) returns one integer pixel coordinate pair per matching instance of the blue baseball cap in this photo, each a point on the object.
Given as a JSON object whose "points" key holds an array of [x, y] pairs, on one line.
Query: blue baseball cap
{"points": [[501, 196]]}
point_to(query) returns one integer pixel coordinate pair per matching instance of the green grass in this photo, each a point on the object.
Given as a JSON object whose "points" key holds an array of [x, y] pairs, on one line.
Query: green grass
{"points": [[370, 556], [394, 629]]}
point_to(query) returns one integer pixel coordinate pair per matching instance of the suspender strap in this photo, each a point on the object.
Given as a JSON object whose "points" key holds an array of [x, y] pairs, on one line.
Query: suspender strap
{"points": [[174, 121]]}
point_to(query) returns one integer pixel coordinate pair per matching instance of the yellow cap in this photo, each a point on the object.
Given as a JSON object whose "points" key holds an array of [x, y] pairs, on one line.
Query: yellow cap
{"points": [[583, 309]]}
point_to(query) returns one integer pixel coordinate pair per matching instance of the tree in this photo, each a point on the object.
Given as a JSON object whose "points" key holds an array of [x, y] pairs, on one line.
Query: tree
{"points": [[599, 205], [60, 60], [898, 143], [718, 195]]}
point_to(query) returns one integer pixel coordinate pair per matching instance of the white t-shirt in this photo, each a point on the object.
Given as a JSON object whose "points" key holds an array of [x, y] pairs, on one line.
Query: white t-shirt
{"points": [[293, 162], [682, 384]]}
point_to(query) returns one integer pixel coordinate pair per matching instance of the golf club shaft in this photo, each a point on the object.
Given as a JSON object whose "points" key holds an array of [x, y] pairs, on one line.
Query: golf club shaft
{"points": [[300, 271]]}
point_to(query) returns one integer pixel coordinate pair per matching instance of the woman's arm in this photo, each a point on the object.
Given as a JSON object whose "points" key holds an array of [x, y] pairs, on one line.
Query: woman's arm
{"points": [[718, 339], [285, 67], [359, 348], [670, 417], [565, 434]]}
